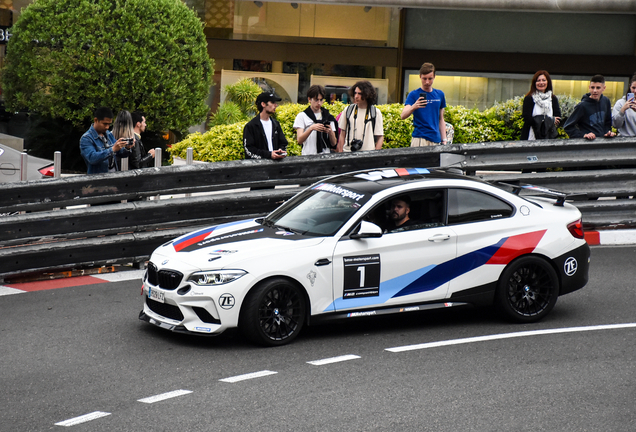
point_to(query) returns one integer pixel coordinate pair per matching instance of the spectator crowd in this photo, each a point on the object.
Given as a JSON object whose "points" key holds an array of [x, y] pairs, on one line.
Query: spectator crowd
{"points": [[359, 127]]}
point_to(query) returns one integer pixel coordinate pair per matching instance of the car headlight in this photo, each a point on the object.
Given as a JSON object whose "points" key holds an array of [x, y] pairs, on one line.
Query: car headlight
{"points": [[215, 277]]}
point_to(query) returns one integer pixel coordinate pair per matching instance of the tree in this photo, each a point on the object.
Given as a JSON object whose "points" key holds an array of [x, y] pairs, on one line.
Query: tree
{"points": [[68, 57]]}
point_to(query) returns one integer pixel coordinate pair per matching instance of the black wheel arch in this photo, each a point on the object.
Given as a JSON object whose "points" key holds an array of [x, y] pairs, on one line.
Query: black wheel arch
{"points": [[288, 279]]}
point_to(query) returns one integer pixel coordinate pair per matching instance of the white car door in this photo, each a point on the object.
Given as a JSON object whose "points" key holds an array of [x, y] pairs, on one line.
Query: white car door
{"points": [[402, 267]]}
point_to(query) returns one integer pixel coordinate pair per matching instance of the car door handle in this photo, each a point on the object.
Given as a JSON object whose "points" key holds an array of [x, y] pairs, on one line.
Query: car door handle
{"points": [[322, 262], [439, 238]]}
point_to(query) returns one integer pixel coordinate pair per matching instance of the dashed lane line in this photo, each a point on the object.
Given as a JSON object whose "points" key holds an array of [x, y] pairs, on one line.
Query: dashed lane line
{"points": [[248, 376], [164, 396], [333, 360], [152, 399], [82, 419], [508, 336]]}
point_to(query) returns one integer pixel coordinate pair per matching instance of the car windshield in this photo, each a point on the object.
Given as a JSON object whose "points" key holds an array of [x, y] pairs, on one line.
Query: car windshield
{"points": [[319, 211]]}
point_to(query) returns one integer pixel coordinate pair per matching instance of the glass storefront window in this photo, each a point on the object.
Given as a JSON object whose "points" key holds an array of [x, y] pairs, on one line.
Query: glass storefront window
{"points": [[300, 22], [484, 90]]}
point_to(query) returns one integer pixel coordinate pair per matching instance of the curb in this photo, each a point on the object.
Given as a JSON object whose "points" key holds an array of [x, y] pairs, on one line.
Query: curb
{"points": [[69, 281], [610, 237]]}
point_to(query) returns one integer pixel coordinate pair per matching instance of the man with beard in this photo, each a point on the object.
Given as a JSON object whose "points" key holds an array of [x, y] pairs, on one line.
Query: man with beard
{"points": [[399, 214], [263, 138]]}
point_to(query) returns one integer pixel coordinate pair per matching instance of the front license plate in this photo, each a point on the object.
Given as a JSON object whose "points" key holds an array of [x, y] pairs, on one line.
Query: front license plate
{"points": [[156, 295]]}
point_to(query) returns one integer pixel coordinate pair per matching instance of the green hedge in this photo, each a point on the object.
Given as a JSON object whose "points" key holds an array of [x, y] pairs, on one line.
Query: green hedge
{"points": [[502, 122]]}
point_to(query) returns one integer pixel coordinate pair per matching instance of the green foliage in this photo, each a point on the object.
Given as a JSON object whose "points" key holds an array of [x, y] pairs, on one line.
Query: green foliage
{"points": [[228, 113], [567, 104], [220, 143], [67, 57], [243, 93], [286, 114], [397, 132]]}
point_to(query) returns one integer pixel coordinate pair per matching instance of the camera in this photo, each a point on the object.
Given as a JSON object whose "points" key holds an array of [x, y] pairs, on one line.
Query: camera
{"points": [[356, 145], [129, 142]]}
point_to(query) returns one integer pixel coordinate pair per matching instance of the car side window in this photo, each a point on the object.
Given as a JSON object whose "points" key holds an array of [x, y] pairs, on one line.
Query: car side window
{"points": [[467, 205], [425, 210]]}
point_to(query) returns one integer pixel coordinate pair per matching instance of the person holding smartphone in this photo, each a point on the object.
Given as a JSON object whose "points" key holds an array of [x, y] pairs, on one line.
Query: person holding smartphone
{"points": [[263, 137], [316, 127], [624, 112], [427, 105]]}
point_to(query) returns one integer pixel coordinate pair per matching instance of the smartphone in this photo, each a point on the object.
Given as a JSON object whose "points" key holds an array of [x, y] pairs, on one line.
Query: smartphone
{"points": [[423, 95], [630, 96]]}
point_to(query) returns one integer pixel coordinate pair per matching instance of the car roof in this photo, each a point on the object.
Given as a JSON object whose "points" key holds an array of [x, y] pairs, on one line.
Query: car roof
{"points": [[375, 180]]}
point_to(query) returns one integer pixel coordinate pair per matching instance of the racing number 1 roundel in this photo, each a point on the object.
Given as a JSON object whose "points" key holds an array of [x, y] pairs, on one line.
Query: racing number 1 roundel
{"points": [[361, 276]]}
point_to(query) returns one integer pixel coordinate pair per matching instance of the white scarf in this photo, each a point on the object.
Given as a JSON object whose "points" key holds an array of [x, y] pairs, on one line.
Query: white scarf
{"points": [[542, 101]]}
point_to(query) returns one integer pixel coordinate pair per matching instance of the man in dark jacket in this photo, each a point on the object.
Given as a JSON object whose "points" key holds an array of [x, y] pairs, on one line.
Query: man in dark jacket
{"points": [[592, 117], [263, 138], [140, 158]]}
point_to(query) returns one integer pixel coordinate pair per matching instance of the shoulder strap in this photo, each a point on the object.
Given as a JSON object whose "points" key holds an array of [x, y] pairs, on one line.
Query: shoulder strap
{"points": [[372, 114], [350, 109]]}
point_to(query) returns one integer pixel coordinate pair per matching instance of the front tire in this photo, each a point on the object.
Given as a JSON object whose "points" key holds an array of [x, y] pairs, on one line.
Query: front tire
{"points": [[527, 290], [273, 313]]}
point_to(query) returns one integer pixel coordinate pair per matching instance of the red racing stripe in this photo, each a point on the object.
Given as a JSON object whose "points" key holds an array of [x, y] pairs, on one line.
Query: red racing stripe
{"points": [[516, 246]]}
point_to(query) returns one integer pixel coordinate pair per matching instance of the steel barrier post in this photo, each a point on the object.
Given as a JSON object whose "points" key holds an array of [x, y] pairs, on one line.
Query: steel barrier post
{"points": [[57, 164], [189, 161], [158, 165], [23, 166]]}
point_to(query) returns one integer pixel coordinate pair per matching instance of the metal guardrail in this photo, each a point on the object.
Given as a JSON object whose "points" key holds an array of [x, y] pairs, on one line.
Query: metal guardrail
{"points": [[124, 221]]}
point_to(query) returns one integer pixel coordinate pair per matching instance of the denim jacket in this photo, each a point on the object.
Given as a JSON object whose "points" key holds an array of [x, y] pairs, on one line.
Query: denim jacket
{"points": [[97, 154]]}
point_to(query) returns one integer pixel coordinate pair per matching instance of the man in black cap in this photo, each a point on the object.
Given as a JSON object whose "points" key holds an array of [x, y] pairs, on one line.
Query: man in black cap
{"points": [[263, 137]]}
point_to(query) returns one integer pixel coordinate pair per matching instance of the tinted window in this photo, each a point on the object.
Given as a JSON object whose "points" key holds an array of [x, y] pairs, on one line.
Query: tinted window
{"points": [[426, 210], [465, 205]]}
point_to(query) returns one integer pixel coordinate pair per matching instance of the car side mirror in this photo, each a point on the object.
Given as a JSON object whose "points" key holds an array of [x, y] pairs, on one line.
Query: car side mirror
{"points": [[367, 230]]}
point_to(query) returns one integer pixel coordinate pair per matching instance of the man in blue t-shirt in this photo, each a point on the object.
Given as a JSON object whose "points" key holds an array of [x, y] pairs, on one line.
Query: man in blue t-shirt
{"points": [[427, 106]]}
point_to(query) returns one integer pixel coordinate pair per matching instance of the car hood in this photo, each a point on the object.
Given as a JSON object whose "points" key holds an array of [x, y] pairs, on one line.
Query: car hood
{"points": [[224, 245]]}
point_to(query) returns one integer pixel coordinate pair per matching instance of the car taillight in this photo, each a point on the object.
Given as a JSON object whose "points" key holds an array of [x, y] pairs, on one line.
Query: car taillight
{"points": [[576, 229]]}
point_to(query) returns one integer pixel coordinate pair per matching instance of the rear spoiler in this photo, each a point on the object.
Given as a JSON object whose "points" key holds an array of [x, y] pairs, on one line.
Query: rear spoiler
{"points": [[518, 187]]}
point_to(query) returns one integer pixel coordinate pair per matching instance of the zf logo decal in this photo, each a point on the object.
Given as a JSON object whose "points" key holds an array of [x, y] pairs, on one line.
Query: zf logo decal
{"points": [[226, 301], [570, 266], [361, 276]]}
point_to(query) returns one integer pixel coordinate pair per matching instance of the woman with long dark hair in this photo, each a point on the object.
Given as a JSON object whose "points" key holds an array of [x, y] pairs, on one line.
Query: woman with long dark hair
{"points": [[540, 109]]}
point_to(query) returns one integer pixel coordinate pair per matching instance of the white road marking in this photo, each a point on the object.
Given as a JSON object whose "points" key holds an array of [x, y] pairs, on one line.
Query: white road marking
{"points": [[248, 376], [333, 360], [508, 336], [164, 396], [5, 290], [120, 276], [82, 419]]}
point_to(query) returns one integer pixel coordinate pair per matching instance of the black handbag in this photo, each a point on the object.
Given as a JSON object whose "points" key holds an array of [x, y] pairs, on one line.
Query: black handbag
{"points": [[544, 127]]}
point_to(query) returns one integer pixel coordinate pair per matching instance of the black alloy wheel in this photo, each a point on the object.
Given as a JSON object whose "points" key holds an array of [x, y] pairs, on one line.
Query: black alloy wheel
{"points": [[527, 290], [273, 313]]}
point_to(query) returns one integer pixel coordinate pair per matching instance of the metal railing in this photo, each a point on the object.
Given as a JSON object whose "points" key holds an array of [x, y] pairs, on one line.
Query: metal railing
{"points": [[122, 217]]}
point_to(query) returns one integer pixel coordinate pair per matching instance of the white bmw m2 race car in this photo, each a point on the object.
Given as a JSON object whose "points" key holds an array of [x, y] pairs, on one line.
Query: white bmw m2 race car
{"points": [[341, 248]]}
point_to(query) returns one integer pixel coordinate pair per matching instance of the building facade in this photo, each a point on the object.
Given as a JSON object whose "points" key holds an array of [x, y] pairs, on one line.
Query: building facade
{"points": [[484, 51]]}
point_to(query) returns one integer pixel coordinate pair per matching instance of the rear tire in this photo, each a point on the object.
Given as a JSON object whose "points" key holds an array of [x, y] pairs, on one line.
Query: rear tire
{"points": [[527, 290], [273, 313]]}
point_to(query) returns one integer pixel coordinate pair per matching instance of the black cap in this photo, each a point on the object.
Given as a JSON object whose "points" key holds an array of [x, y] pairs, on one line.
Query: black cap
{"points": [[267, 97]]}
